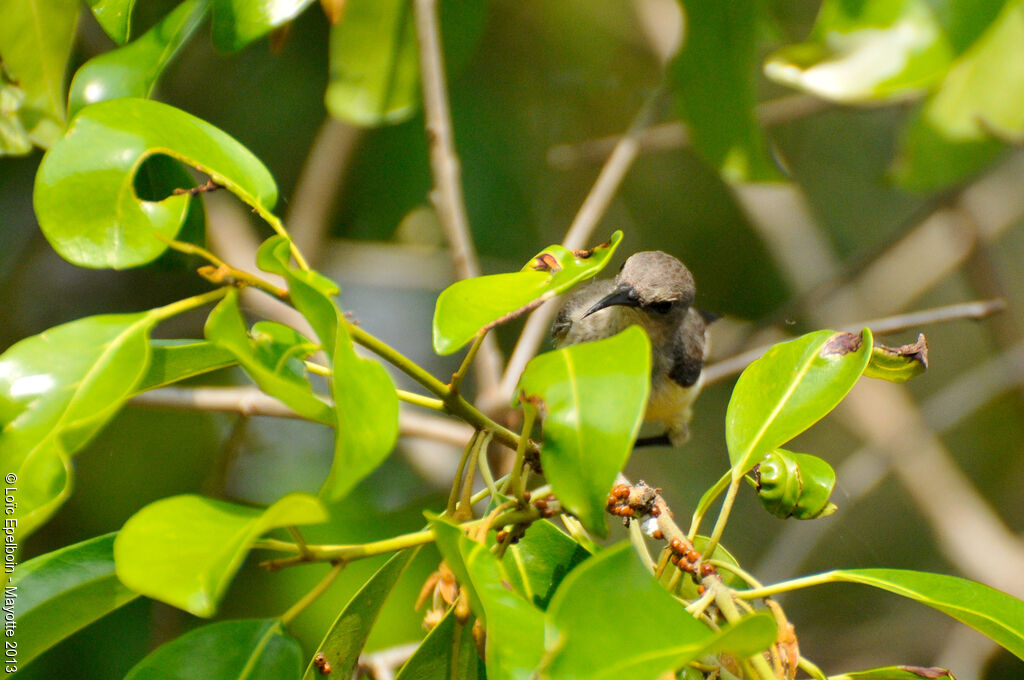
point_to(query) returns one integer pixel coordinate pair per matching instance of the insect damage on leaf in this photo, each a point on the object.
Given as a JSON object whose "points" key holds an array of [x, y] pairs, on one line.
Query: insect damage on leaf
{"points": [[916, 351], [546, 262], [929, 673], [841, 344]]}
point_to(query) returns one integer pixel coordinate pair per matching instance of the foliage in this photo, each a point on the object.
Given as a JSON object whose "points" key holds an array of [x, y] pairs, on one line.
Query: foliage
{"points": [[529, 598]]}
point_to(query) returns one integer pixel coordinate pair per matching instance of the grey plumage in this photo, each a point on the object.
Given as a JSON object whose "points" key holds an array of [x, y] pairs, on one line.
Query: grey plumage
{"points": [[655, 290]]}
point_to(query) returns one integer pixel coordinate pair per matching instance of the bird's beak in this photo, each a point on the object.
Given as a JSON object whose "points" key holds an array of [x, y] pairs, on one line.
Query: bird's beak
{"points": [[623, 295]]}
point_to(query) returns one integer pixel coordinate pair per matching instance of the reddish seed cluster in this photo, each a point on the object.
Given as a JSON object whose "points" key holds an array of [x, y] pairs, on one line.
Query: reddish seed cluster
{"points": [[545, 506], [321, 663], [686, 558]]}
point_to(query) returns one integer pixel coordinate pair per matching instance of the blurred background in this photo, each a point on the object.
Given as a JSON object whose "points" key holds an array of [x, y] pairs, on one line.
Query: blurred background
{"points": [[929, 473]]}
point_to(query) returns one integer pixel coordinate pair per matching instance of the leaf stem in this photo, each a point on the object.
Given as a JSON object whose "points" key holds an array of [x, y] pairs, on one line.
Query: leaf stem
{"points": [[223, 271], [453, 495], [723, 600], [515, 478], [812, 670], [457, 377], [310, 597], [705, 502], [723, 515], [420, 400], [275, 223], [786, 586], [175, 308]]}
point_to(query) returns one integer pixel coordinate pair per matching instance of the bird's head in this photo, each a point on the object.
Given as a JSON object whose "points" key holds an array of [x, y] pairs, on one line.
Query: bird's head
{"points": [[652, 281]]}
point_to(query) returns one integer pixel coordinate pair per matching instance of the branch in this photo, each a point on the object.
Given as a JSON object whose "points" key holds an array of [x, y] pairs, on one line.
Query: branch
{"points": [[447, 195], [975, 310], [582, 228]]}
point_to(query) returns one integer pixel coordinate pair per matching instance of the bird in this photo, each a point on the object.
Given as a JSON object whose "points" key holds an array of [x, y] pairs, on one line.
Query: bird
{"points": [[656, 291]]}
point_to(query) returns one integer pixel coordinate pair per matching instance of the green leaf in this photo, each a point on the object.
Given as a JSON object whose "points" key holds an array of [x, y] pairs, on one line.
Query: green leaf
{"points": [[980, 102], [133, 70], [184, 550], [987, 610], [310, 291], [898, 364], [374, 67], [84, 196], [515, 628], [586, 619], [36, 37], [447, 652], [114, 16], [252, 649], [898, 673], [64, 591], [866, 52], [794, 385], [14, 139], [61, 387], [540, 560], [714, 79], [172, 361], [795, 485], [347, 635], [236, 23], [225, 328], [366, 408], [466, 307], [593, 396]]}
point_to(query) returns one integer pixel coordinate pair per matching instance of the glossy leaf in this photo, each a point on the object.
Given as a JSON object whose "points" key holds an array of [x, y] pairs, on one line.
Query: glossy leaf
{"points": [[36, 37], [252, 649], [447, 652], [374, 68], [987, 610], [172, 361], [282, 348], [794, 385], [714, 78], [898, 673], [366, 408], [585, 634], [593, 397], [466, 307], [64, 591], [795, 485], [980, 102], [236, 23], [84, 196], [225, 328], [184, 550], [515, 628], [898, 364], [538, 562], [133, 70], [866, 52], [310, 291], [114, 16], [347, 636], [61, 387]]}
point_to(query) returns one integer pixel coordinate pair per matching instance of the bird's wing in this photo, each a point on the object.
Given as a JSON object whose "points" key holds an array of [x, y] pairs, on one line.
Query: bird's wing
{"points": [[688, 350]]}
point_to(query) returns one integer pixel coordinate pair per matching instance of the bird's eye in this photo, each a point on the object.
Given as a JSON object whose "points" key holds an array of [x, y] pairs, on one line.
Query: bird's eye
{"points": [[661, 307]]}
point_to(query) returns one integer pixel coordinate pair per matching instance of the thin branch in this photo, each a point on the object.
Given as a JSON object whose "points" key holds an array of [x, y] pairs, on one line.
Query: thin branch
{"points": [[447, 195], [975, 310], [579, 234]]}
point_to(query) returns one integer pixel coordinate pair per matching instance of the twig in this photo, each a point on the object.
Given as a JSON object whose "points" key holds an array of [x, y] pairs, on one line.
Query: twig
{"points": [[590, 213], [975, 310], [447, 195], [676, 134]]}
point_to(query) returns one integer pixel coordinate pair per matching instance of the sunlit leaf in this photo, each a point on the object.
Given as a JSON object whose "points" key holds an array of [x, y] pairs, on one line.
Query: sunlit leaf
{"points": [[84, 196], [714, 80], [865, 52], [36, 37], [898, 673], [225, 328], [467, 306], [374, 68], [114, 16], [133, 70], [347, 635], [61, 387], [980, 102], [588, 615], [253, 649], [515, 628], [592, 397], [171, 361], [236, 23], [794, 385], [538, 562], [447, 652], [185, 550], [987, 610], [63, 591]]}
